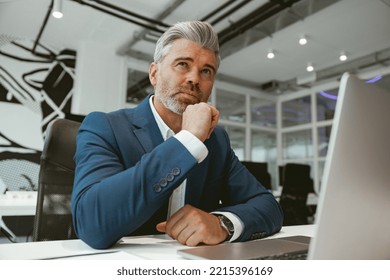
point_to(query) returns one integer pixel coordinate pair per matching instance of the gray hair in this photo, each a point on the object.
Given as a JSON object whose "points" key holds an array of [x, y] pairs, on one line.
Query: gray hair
{"points": [[199, 32]]}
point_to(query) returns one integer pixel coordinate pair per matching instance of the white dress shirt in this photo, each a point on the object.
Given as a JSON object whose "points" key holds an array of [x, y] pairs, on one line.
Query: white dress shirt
{"points": [[199, 151]]}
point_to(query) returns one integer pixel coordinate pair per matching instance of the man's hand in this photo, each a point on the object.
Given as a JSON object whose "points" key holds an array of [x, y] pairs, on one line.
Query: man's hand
{"points": [[192, 226], [200, 119]]}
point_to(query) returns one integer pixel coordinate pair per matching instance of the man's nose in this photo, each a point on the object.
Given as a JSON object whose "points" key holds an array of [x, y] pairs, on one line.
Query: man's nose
{"points": [[193, 77]]}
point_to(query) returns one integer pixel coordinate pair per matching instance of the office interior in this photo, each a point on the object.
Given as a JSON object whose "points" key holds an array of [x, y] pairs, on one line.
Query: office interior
{"points": [[276, 87]]}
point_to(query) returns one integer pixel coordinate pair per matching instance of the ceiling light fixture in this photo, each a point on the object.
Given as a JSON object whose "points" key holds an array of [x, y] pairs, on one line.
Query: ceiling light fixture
{"points": [[302, 40], [374, 80], [343, 56], [328, 95], [270, 54], [309, 67], [57, 9], [334, 97]]}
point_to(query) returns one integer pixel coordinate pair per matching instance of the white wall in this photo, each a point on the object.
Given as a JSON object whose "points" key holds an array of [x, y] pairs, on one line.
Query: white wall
{"points": [[101, 78]]}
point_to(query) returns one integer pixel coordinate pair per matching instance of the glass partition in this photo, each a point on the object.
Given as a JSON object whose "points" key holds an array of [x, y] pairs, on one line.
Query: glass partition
{"points": [[231, 106], [296, 111], [297, 144], [326, 103], [263, 146], [263, 112], [264, 150], [323, 140], [237, 140]]}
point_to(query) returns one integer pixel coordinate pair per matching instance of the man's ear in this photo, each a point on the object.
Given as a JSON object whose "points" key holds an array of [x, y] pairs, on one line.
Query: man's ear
{"points": [[153, 68]]}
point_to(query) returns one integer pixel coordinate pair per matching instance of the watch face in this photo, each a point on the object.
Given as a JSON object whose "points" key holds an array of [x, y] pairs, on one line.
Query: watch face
{"points": [[228, 224]]}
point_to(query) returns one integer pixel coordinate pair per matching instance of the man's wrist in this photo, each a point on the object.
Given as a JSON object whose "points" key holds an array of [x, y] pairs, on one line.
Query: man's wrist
{"points": [[227, 225], [193, 145]]}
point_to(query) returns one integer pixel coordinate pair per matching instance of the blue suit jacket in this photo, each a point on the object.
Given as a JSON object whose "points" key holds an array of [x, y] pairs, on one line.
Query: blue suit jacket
{"points": [[125, 174]]}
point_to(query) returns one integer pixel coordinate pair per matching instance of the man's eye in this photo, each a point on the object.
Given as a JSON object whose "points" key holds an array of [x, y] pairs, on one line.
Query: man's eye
{"points": [[207, 73], [183, 64]]}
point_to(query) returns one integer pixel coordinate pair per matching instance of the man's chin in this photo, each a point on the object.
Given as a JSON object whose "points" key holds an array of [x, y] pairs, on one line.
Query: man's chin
{"points": [[188, 99], [179, 103], [178, 110]]}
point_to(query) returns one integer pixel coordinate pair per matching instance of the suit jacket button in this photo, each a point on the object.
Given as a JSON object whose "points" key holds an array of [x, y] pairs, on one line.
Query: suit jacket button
{"points": [[175, 171], [163, 182], [170, 177], [157, 188]]}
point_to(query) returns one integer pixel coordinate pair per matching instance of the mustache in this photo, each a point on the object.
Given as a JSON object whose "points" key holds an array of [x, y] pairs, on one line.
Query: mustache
{"points": [[190, 89]]}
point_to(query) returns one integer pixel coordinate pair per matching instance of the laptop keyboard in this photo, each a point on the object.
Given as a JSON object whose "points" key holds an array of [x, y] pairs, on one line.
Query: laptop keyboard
{"points": [[286, 256]]}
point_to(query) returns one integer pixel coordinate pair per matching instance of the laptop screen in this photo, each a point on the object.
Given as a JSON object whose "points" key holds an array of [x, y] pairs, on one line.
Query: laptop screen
{"points": [[354, 205]]}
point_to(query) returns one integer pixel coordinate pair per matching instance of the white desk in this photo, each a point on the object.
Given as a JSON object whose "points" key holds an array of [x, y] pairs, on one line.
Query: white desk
{"points": [[16, 203], [157, 247]]}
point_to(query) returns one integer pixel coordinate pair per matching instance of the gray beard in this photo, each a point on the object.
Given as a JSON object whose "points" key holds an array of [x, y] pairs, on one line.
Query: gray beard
{"points": [[171, 104]]}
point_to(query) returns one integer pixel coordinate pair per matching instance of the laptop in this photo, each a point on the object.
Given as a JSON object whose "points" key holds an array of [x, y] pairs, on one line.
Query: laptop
{"points": [[353, 213]]}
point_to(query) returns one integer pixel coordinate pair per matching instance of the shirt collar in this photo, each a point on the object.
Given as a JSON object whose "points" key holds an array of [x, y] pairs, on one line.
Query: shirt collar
{"points": [[166, 132]]}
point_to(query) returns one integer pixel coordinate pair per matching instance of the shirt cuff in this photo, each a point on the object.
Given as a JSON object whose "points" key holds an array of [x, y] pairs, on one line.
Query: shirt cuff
{"points": [[196, 147], [237, 223]]}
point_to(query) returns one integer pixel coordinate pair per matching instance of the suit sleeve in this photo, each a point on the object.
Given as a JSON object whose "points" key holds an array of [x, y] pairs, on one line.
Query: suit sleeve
{"points": [[110, 199]]}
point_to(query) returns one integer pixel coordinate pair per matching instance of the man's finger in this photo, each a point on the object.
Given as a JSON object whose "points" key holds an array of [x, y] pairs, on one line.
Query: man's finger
{"points": [[161, 227]]}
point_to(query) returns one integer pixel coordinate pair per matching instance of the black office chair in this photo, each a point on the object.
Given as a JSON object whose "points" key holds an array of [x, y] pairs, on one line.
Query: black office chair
{"points": [[297, 184], [260, 171], [53, 219]]}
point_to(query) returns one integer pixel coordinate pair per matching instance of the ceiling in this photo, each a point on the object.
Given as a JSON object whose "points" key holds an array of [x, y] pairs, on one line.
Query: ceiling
{"points": [[247, 30]]}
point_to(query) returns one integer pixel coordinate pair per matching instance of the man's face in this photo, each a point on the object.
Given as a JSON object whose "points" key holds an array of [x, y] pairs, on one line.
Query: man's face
{"points": [[185, 76]]}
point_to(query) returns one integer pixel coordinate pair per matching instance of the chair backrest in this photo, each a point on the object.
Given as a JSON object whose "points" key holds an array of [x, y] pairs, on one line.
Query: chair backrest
{"points": [[297, 184], [260, 171], [296, 179], [53, 219]]}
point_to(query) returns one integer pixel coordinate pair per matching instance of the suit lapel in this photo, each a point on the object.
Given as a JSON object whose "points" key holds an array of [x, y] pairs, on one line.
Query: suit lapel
{"points": [[145, 127]]}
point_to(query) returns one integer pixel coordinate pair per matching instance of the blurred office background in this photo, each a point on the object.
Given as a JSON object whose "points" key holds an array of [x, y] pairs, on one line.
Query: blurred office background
{"points": [[276, 88]]}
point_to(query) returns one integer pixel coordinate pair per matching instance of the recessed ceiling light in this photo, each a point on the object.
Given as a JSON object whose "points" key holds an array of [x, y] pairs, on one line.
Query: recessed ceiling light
{"points": [[343, 56], [309, 67], [303, 40], [270, 54]]}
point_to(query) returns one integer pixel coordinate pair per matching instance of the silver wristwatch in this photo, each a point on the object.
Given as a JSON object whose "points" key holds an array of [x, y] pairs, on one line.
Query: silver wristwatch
{"points": [[226, 224]]}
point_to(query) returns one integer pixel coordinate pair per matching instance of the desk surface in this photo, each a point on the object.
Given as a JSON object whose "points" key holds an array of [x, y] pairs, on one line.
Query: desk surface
{"points": [[18, 203], [142, 248]]}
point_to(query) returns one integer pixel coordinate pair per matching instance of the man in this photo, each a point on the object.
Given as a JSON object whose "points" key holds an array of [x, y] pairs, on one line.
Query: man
{"points": [[133, 166]]}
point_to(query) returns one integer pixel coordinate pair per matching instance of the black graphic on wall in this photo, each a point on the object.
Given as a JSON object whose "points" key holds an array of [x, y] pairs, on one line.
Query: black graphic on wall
{"points": [[35, 88]]}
